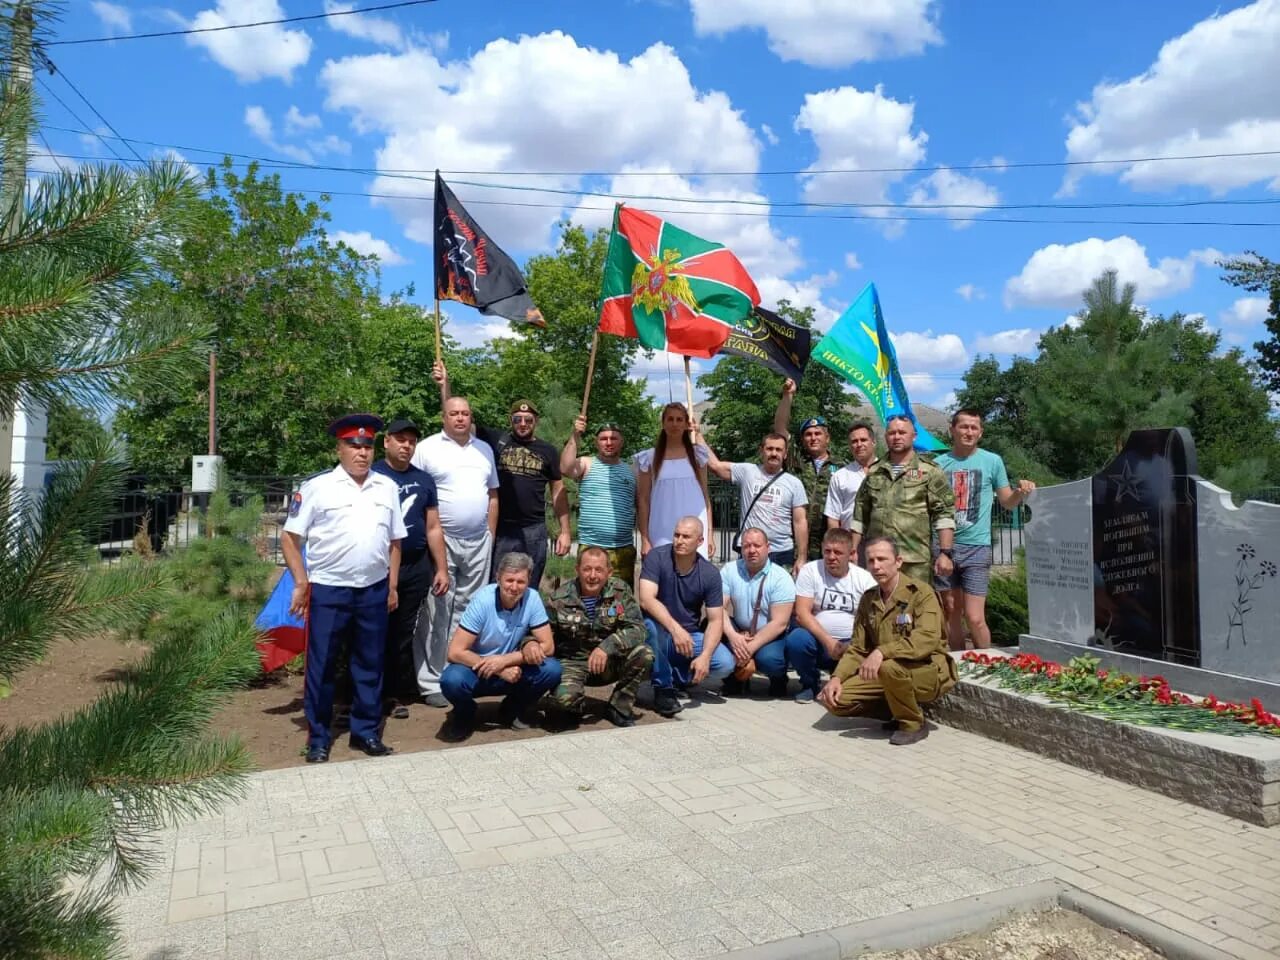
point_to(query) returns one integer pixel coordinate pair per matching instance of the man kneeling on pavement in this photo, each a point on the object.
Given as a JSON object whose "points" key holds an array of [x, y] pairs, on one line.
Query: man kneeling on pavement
{"points": [[599, 639], [502, 646], [897, 658]]}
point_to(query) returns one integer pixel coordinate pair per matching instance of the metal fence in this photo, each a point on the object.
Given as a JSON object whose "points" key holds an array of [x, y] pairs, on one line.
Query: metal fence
{"points": [[162, 513]]}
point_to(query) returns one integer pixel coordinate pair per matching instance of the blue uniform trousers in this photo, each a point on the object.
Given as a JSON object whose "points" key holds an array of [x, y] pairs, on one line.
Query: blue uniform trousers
{"points": [[358, 616], [461, 685]]}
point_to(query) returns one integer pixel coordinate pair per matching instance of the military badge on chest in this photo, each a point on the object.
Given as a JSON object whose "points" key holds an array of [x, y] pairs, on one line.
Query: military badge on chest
{"points": [[902, 623]]}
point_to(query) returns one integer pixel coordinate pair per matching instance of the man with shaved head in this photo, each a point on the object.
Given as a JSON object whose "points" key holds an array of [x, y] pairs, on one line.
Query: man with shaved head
{"points": [[466, 478]]}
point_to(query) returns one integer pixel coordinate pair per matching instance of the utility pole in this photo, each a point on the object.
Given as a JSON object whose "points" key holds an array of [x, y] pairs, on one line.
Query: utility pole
{"points": [[13, 177]]}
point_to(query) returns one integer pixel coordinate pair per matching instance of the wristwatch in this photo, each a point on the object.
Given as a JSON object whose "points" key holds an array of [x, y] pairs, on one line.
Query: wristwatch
{"points": [[947, 552]]}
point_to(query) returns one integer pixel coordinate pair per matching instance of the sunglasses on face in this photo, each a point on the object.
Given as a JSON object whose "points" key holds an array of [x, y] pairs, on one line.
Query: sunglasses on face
{"points": [[522, 418]]}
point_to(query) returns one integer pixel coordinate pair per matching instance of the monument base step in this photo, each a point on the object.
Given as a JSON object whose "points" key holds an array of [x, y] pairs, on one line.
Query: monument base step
{"points": [[1235, 776]]}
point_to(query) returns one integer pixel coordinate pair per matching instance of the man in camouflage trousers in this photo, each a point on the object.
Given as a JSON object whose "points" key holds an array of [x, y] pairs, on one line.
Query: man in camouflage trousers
{"points": [[600, 639], [812, 462], [907, 499]]}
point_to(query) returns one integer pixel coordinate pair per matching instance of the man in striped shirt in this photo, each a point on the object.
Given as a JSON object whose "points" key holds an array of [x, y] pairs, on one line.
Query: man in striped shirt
{"points": [[606, 496]]}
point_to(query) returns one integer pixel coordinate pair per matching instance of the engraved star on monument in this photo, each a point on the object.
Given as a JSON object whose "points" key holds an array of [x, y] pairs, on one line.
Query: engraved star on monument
{"points": [[1128, 484]]}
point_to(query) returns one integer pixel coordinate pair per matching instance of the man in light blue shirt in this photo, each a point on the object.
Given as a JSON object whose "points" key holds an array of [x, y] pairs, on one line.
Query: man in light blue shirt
{"points": [[503, 645], [759, 595]]}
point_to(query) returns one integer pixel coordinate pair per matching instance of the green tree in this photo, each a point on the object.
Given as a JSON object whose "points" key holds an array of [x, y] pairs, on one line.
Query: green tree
{"points": [[744, 396], [1257, 274], [288, 310], [80, 797], [1066, 413], [71, 426]]}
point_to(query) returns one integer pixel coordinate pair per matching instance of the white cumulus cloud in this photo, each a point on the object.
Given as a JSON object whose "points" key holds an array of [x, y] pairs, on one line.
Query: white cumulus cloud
{"points": [[260, 125], [1058, 275], [800, 293], [295, 121], [858, 130], [826, 33], [1246, 312], [114, 17], [364, 26], [1022, 340], [967, 291], [366, 244], [925, 350], [1211, 90], [954, 195], [851, 261], [252, 55]]}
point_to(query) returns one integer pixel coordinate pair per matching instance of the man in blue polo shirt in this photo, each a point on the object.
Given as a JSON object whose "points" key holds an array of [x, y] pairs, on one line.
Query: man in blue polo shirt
{"points": [[759, 595], [503, 646], [423, 568]]}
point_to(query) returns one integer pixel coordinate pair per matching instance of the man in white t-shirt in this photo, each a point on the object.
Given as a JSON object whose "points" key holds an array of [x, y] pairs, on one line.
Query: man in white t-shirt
{"points": [[843, 489], [466, 479], [827, 595], [772, 500]]}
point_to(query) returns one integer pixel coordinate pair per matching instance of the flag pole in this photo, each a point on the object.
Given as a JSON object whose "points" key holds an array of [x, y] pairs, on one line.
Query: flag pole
{"points": [[439, 357], [688, 385], [591, 369]]}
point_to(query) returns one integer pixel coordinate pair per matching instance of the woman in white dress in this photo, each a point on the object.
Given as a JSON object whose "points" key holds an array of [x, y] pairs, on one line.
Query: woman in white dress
{"points": [[672, 484]]}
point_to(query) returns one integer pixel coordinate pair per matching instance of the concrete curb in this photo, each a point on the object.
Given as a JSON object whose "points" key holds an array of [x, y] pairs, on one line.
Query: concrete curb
{"points": [[915, 929]]}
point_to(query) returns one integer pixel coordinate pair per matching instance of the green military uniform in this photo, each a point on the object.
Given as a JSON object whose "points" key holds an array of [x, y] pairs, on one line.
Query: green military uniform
{"points": [[907, 508], [907, 630], [816, 480], [617, 628]]}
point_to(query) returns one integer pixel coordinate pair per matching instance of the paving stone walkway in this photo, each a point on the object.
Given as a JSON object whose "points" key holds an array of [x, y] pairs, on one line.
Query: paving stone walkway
{"points": [[743, 823]]}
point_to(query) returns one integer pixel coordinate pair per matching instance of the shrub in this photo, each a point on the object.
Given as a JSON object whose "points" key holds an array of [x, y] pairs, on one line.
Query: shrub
{"points": [[1007, 615]]}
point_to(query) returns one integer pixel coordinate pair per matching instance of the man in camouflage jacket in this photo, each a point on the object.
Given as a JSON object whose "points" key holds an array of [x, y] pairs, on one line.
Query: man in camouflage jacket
{"points": [[907, 498], [812, 461], [600, 639]]}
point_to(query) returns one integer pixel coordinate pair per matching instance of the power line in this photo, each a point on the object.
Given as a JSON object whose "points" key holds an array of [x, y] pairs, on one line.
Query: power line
{"points": [[685, 212], [86, 132], [85, 100], [240, 26], [410, 173]]}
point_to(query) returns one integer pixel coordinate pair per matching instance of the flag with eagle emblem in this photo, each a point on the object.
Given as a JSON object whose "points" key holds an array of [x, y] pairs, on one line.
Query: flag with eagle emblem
{"points": [[472, 269], [672, 290]]}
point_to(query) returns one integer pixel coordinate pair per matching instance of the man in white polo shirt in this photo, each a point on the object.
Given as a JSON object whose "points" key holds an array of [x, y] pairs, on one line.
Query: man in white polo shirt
{"points": [[467, 487]]}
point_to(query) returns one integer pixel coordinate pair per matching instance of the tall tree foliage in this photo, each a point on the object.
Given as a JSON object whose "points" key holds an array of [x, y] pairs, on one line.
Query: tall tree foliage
{"points": [[1066, 413], [1257, 274], [79, 797], [745, 395]]}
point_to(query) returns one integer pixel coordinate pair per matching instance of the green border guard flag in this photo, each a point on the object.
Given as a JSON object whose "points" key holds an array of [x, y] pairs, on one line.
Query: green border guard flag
{"points": [[858, 348]]}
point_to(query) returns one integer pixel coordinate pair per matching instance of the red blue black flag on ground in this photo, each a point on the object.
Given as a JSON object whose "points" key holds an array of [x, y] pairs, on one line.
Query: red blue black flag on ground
{"points": [[472, 269]]}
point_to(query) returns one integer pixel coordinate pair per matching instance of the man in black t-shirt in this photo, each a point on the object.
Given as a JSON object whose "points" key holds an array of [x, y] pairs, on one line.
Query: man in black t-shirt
{"points": [[526, 466]]}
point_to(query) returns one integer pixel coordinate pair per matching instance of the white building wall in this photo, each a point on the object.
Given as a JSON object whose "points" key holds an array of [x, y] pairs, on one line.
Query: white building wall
{"points": [[27, 458]]}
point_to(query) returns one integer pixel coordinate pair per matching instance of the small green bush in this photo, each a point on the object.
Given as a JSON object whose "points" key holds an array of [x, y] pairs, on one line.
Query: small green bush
{"points": [[1007, 615]]}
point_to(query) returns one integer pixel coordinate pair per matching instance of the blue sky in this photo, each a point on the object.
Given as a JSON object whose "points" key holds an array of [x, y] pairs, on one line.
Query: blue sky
{"points": [[731, 101]]}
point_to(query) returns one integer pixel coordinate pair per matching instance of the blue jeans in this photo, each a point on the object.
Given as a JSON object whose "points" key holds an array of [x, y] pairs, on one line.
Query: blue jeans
{"points": [[771, 659], [461, 685], [358, 617], [670, 666], [807, 656]]}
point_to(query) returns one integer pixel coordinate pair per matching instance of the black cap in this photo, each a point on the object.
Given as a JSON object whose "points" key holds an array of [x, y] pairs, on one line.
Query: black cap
{"points": [[402, 425], [358, 429]]}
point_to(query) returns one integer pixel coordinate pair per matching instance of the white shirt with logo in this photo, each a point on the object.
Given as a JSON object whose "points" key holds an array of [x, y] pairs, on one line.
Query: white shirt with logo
{"points": [[835, 599]]}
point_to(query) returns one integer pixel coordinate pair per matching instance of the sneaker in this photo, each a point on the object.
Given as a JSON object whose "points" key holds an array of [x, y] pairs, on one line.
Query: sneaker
{"points": [[435, 700], [665, 702], [733, 687], [805, 695], [778, 686], [618, 718]]}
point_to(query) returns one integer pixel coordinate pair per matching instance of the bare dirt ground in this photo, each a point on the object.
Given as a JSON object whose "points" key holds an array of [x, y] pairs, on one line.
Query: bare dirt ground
{"points": [[1051, 935], [267, 716]]}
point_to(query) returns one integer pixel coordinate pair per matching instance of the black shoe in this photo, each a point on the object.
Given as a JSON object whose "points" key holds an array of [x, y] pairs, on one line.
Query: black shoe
{"points": [[904, 738], [317, 753], [373, 746], [665, 702], [437, 700], [455, 730], [733, 688], [889, 726], [778, 686], [618, 718]]}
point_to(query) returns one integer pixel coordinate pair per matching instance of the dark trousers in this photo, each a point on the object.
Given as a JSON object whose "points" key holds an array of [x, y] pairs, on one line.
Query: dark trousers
{"points": [[356, 617], [531, 540], [783, 558], [400, 679]]}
